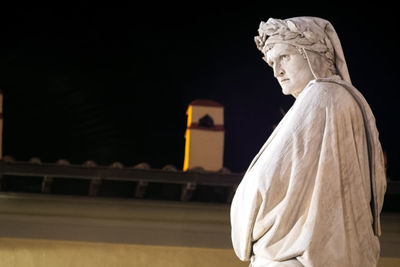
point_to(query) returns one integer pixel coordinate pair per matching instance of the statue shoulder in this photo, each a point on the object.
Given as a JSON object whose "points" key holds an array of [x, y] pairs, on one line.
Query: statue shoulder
{"points": [[334, 92], [330, 91]]}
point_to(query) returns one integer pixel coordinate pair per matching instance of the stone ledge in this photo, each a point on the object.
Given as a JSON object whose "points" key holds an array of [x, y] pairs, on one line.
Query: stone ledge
{"points": [[114, 220], [132, 221]]}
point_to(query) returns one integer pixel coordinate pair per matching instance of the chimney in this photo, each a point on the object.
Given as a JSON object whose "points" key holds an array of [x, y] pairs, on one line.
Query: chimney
{"points": [[204, 135]]}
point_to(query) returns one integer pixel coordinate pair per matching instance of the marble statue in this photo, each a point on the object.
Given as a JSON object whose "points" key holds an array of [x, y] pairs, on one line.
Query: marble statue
{"points": [[313, 194]]}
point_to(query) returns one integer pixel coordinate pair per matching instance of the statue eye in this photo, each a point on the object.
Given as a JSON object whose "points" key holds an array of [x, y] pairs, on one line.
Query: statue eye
{"points": [[284, 57]]}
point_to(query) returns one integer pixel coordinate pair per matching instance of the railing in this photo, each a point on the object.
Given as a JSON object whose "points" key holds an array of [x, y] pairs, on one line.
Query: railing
{"points": [[141, 174]]}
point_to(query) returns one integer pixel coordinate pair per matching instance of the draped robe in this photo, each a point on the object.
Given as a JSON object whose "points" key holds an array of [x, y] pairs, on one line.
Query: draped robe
{"points": [[305, 200]]}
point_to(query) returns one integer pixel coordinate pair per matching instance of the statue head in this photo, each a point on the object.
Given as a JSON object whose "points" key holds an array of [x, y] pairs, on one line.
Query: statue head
{"points": [[290, 68], [314, 39]]}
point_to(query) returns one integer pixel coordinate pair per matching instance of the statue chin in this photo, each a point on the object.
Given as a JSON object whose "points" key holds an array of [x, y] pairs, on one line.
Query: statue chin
{"points": [[295, 92], [287, 91]]}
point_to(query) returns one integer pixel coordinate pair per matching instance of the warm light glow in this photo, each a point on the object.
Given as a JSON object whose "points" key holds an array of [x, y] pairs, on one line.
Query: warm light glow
{"points": [[187, 137], [189, 116]]}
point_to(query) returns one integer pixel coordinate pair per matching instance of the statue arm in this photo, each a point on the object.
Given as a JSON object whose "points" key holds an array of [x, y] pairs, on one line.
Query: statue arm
{"points": [[244, 209]]}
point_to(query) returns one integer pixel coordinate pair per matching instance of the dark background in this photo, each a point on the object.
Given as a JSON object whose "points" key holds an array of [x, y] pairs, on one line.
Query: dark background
{"points": [[113, 84]]}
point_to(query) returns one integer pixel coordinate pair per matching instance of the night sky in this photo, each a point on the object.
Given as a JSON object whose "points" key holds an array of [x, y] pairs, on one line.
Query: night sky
{"points": [[111, 85]]}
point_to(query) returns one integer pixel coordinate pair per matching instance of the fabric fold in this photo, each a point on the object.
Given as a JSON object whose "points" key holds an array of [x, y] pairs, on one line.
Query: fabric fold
{"points": [[306, 195]]}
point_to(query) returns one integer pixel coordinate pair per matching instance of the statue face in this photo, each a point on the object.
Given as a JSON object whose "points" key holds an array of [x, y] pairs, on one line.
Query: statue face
{"points": [[290, 68]]}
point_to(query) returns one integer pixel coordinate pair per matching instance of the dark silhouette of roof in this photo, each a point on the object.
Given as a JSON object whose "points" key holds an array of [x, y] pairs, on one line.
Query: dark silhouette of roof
{"points": [[136, 182], [139, 181]]}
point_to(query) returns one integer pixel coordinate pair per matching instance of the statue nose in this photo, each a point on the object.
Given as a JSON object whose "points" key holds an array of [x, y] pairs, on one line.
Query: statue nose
{"points": [[278, 71]]}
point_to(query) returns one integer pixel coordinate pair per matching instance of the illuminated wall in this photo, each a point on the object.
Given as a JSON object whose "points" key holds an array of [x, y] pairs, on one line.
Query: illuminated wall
{"points": [[48, 230], [41, 253]]}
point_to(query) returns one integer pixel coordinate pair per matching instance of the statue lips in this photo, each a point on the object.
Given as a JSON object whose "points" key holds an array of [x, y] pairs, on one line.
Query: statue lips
{"points": [[284, 80]]}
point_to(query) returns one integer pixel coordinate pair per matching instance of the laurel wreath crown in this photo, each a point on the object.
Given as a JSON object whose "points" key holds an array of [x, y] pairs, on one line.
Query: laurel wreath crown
{"points": [[287, 31]]}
